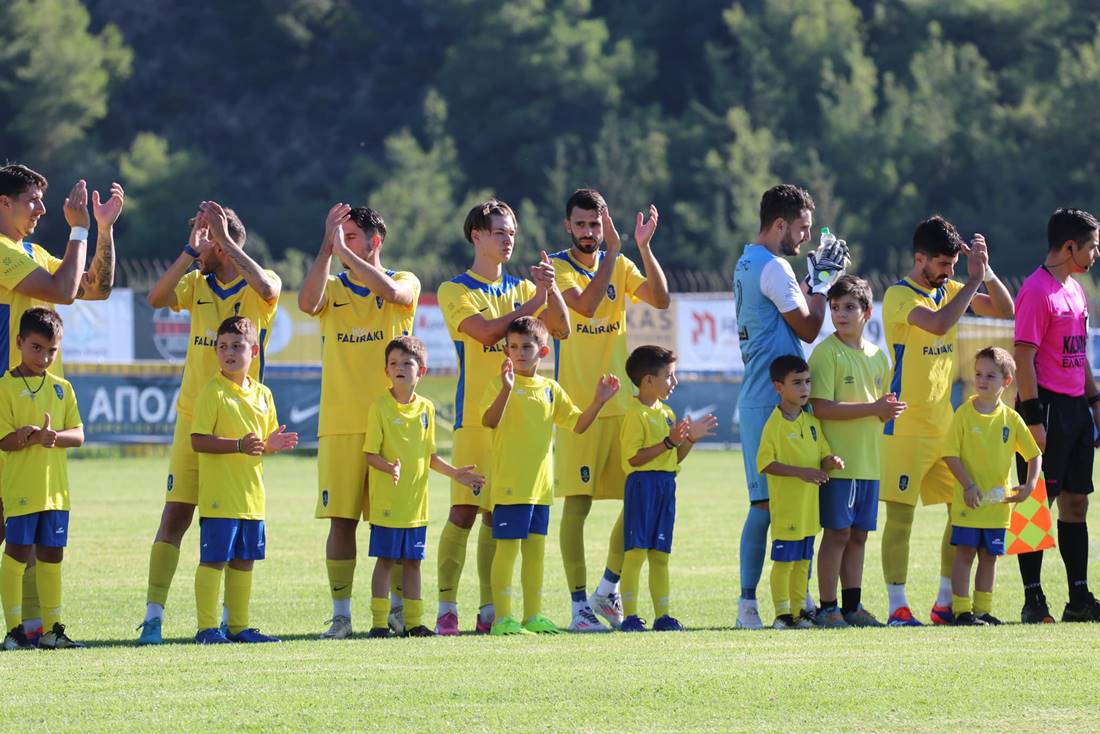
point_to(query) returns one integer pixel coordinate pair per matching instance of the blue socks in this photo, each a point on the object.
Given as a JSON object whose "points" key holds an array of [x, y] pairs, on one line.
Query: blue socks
{"points": [[754, 546]]}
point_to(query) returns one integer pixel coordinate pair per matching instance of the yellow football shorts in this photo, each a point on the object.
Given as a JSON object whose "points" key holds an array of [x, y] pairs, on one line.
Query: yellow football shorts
{"points": [[590, 463], [341, 476], [183, 466], [472, 445], [913, 466]]}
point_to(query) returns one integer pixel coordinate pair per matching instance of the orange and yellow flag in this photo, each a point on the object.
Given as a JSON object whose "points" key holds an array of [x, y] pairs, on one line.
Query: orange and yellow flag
{"points": [[1030, 526]]}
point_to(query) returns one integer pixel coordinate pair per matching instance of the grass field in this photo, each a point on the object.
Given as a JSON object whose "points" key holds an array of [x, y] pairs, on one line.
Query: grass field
{"points": [[709, 678]]}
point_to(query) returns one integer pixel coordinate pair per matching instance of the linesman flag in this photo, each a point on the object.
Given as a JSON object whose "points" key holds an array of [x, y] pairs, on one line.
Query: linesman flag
{"points": [[1030, 525]]}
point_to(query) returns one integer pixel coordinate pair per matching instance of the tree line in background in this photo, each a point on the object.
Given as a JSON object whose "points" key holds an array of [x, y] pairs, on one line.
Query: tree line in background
{"points": [[982, 110]]}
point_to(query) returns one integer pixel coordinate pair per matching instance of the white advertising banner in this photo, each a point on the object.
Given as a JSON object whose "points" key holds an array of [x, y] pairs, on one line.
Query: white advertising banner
{"points": [[99, 331], [430, 328]]}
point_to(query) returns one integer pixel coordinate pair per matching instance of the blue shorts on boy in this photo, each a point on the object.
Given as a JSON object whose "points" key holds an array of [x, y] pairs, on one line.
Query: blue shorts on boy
{"points": [[223, 539], [516, 522], [49, 528], [406, 544], [849, 503], [788, 551], [649, 510], [991, 540]]}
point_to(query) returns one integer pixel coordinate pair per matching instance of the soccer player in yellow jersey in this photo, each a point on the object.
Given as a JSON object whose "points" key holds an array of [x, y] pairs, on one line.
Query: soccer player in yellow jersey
{"points": [[478, 306], [521, 409], [984, 438], [596, 286], [360, 311], [920, 314], [227, 283], [234, 425], [30, 276], [38, 419], [796, 456], [653, 445], [399, 446]]}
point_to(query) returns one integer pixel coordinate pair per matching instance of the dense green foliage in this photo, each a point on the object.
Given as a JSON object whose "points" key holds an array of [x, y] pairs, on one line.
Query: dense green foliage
{"points": [[886, 111]]}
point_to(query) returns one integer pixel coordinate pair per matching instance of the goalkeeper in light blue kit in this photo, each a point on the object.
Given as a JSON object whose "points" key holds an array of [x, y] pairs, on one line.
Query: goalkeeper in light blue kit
{"points": [[775, 314]]}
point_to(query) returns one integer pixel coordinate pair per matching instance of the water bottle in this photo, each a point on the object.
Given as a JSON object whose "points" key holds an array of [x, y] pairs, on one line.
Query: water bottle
{"points": [[827, 237], [994, 496]]}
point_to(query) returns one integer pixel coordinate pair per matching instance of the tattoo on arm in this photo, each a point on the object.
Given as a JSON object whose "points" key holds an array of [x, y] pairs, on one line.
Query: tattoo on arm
{"points": [[100, 276]]}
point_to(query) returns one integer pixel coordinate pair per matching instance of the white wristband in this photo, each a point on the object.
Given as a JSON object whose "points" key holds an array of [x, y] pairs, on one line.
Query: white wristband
{"points": [[78, 233], [989, 274]]}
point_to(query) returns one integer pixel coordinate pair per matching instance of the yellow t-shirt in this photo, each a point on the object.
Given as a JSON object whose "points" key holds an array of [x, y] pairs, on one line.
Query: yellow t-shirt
{"points": [[987, 445], [923, 363], [35, 479], [17, 261], [406, 432], [521, 473], [356, 326], [597, 344], [793, 502], [232, 485], [211, 303], [846, 375], [460, 298], [644, 426]]}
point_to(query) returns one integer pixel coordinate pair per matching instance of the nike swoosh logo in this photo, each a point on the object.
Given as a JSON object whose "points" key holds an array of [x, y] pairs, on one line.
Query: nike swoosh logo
{"points": [[338, 305], [339, 588], [697, 414], [205, 303], [297, 415], [483, 310]]}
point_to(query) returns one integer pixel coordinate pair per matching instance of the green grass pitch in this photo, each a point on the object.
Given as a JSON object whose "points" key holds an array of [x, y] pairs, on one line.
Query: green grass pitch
{"points": [[709, 678]]}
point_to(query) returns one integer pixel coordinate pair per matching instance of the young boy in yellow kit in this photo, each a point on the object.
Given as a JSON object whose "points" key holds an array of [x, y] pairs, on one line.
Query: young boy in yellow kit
{"points": [[233, 427], [522, 408], [984, 439], [38, 420], [400, 448], [796, 457], [653, 445]]}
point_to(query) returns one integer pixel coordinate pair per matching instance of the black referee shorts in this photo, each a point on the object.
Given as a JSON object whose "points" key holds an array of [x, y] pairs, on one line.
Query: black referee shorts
{"points": [[1067, 461]]}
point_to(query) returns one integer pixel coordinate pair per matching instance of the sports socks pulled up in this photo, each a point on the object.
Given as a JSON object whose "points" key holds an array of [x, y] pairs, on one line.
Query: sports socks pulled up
{"points": [[754, 546]]}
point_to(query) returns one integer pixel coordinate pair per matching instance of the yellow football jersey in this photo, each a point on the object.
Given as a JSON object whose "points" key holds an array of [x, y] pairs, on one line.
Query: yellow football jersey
{"points": [[923, 363], [406, 432], [846, 375], [987, 444], [17, 261], [645, 426], [232, 485], [521, 473], [597, 345], [35, 479], [356, 326], [211, 303], [460, 298], [793, 502]]}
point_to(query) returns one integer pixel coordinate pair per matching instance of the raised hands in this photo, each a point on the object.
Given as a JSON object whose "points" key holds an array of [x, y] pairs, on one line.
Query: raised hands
{"points": [[507, 373], [611, 238], [643, 230], [200, 240], [46, 436], [688, 430], [542, 274], [977, 257], [280, 440], [216, 222], [76, 205], [607, 387], [337, 215], [107, 212]]}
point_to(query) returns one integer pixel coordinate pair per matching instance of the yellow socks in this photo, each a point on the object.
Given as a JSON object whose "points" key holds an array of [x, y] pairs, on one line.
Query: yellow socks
{"points": [[485, 547], [238, 595], [631, 580], [983, 602], [452, 557], [379, 610], [11, 591], [571, 539], [414, 613], [504, 563], [615, 549], [341, 576], [781, 586], [49, 592], [960, 604], [396, 575], [531, 573], [800, 575], [895, 543], [658, 582], [32, 609], [947, 551], [163, 559], [208, 582]]}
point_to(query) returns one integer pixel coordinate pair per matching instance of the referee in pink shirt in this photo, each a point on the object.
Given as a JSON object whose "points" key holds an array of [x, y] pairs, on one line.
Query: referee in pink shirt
{"points": [[1060, 403]]}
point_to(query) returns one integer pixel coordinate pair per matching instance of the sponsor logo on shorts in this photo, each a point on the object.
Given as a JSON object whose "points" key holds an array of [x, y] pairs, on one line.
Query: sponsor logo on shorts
{"points": [[60, 393], [611, 292], [171, 481], [903, 482], [1004, 434], [586, 474], [324, 498]]}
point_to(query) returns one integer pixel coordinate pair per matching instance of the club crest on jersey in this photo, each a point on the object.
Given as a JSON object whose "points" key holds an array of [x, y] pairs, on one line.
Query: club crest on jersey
{"points": [[611, 292], [324, 498], [171, 481], [668, 421], [424, 420], [1004, 434], [237, 308], [61, 393], [378, 301], [550, 395], [515, 305], [903, 482], [813, 432], [586, 474]]}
